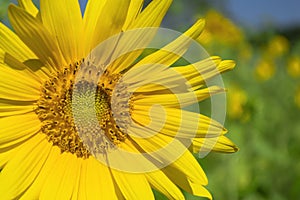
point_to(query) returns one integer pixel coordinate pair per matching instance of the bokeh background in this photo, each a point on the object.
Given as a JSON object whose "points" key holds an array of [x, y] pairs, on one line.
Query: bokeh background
{"points": [[263, 107], [263, 115]]}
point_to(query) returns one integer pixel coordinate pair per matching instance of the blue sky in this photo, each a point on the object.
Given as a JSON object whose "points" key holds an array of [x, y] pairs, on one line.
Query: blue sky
{"points": [[281, 13]]}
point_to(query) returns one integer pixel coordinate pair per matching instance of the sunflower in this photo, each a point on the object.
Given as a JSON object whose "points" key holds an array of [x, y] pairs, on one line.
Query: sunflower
{"points": [[65, 131]]}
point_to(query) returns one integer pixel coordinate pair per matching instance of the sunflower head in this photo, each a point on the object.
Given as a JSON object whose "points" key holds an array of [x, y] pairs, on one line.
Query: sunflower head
{"points": [[105, 106]]}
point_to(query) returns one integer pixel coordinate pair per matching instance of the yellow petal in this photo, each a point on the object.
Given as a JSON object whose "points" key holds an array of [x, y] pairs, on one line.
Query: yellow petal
{"points": [[2, 56], [26, 68], [188, 175], [183, 168], [11, 43], [68, 180], [30, 65], [177, 100], [33, 192], [138, 39], [35, 36], [177, 123], [29, 7], [220, 144], [77, 181], [145, 71], [199, 68], [91, 16], [226, 65], [181, 161], [41, 71], [15, 130], [198, 73], [107, 184], [161, 150], [60, 182], [159, 181], [128, 158], [99, 182], [133, 186], [197, 190], [21, 171], [144, 79], [18, 85], [6, 156], [172, 52], [63, 20], [10, 108], [82, 193], [134, 9], [222, 67], [152, 15], [95, 184], [103, 20], [190, 167]]}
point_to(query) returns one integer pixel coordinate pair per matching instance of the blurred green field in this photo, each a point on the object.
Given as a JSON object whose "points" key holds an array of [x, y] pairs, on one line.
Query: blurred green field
{"points": [[263, 112]]}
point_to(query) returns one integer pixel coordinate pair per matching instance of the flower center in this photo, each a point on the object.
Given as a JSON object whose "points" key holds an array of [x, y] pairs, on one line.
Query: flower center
{"points": [[57, 105]]}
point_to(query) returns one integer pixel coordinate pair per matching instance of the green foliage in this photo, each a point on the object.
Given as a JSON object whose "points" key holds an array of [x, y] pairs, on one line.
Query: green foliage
{"points": [[3, 8], [267, 165]]}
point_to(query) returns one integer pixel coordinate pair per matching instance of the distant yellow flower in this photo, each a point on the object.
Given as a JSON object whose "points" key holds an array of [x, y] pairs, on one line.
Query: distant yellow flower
{"points": [[237, 99], [293, 66], [265, 69], [221, 30], [42, 155], [277, 46]]}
